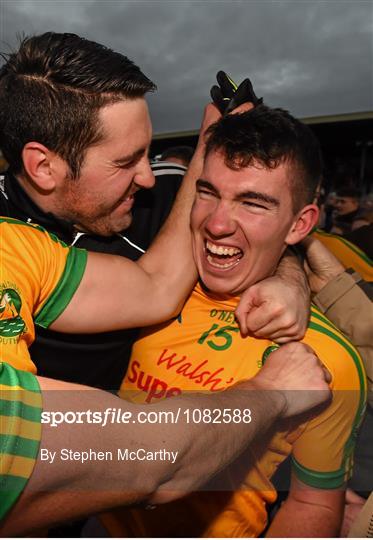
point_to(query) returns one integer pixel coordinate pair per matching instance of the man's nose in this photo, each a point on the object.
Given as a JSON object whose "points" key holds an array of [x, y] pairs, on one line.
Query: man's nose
{"points": [[221, 222], [144, 176]]}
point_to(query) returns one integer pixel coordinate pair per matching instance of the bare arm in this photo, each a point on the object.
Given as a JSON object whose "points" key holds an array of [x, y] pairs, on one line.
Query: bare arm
{"points": [[65, 490], [69, 489], [320, 264], [117, 293], [309, 513]]}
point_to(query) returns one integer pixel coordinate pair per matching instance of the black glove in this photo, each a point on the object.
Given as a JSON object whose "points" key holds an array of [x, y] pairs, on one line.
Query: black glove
{"points": [[227, 96]]}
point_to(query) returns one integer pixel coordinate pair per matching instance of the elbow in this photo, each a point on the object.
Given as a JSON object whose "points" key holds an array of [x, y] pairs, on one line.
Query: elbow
{"points": [[175, 309], [168, 306]]}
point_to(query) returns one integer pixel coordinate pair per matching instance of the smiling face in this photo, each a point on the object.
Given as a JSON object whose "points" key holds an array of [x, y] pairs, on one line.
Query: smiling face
{"points": [[242, 220], [100, 200]]}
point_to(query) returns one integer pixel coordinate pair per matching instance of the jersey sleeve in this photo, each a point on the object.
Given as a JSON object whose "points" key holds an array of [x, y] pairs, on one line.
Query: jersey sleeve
{"points": [[56, 270], [20, 432], [323, 454], [68, 266]]}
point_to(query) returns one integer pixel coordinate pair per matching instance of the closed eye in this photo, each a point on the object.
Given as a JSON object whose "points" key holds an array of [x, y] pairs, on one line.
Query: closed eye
{"points": [[129, 164], [129, 161], [202, 192], [253, 204]]}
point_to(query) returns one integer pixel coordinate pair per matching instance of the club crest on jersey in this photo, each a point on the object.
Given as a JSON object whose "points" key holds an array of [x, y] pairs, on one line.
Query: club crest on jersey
{"points": [[11, 322]]}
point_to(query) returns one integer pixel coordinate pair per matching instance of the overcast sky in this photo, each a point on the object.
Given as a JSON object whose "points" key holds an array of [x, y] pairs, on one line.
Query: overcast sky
{"points": [[312, 57]]}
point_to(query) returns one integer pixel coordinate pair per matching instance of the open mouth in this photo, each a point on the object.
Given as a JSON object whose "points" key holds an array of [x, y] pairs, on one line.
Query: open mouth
{"points": [[126, 201], [130, 199], [222, 257]]}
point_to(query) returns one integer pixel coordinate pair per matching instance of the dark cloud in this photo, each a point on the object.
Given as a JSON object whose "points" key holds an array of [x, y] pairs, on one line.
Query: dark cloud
{"points": [[312, 57]]}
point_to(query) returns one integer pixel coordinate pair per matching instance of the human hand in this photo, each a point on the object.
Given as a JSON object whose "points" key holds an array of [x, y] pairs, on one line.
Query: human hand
{"points": [[228, 96], [210, 116], [226, 99], [320, 264], [296, 373], [278, 307]]}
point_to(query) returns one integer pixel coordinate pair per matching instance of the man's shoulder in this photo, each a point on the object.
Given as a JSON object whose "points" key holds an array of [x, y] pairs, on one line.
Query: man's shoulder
{"points": [[336, 352], [339, 245], [322, 332], [29, 232], [349, 254], [11, 225]]}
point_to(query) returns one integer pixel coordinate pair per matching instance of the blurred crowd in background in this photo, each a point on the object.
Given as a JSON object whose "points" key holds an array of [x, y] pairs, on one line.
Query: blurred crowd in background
{"points": [[348, 212], [345, 207]]}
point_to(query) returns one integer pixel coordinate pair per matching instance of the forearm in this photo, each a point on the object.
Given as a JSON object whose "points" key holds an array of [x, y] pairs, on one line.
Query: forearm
{"points": [[300, 520], [214, 445], [170, 258], [70, 489], [66, 489], [290, 269]]}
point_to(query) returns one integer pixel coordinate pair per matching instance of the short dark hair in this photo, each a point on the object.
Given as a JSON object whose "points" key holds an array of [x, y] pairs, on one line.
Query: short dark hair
{"points": [[182, 152], [51, 91], [270, 137], [348, 191]]}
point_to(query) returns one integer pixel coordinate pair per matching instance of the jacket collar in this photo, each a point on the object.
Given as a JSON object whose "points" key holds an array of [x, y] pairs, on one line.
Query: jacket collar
{"points": [[21, 206]]}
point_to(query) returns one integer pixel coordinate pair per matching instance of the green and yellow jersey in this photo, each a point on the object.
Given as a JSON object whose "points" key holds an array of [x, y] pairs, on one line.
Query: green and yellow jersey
{"points": [[38, 277], [202, 350], [349, 255]]}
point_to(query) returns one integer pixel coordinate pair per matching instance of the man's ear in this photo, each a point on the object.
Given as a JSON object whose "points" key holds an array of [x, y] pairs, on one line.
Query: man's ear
{"points": [[304, 222], [43, 167]]}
